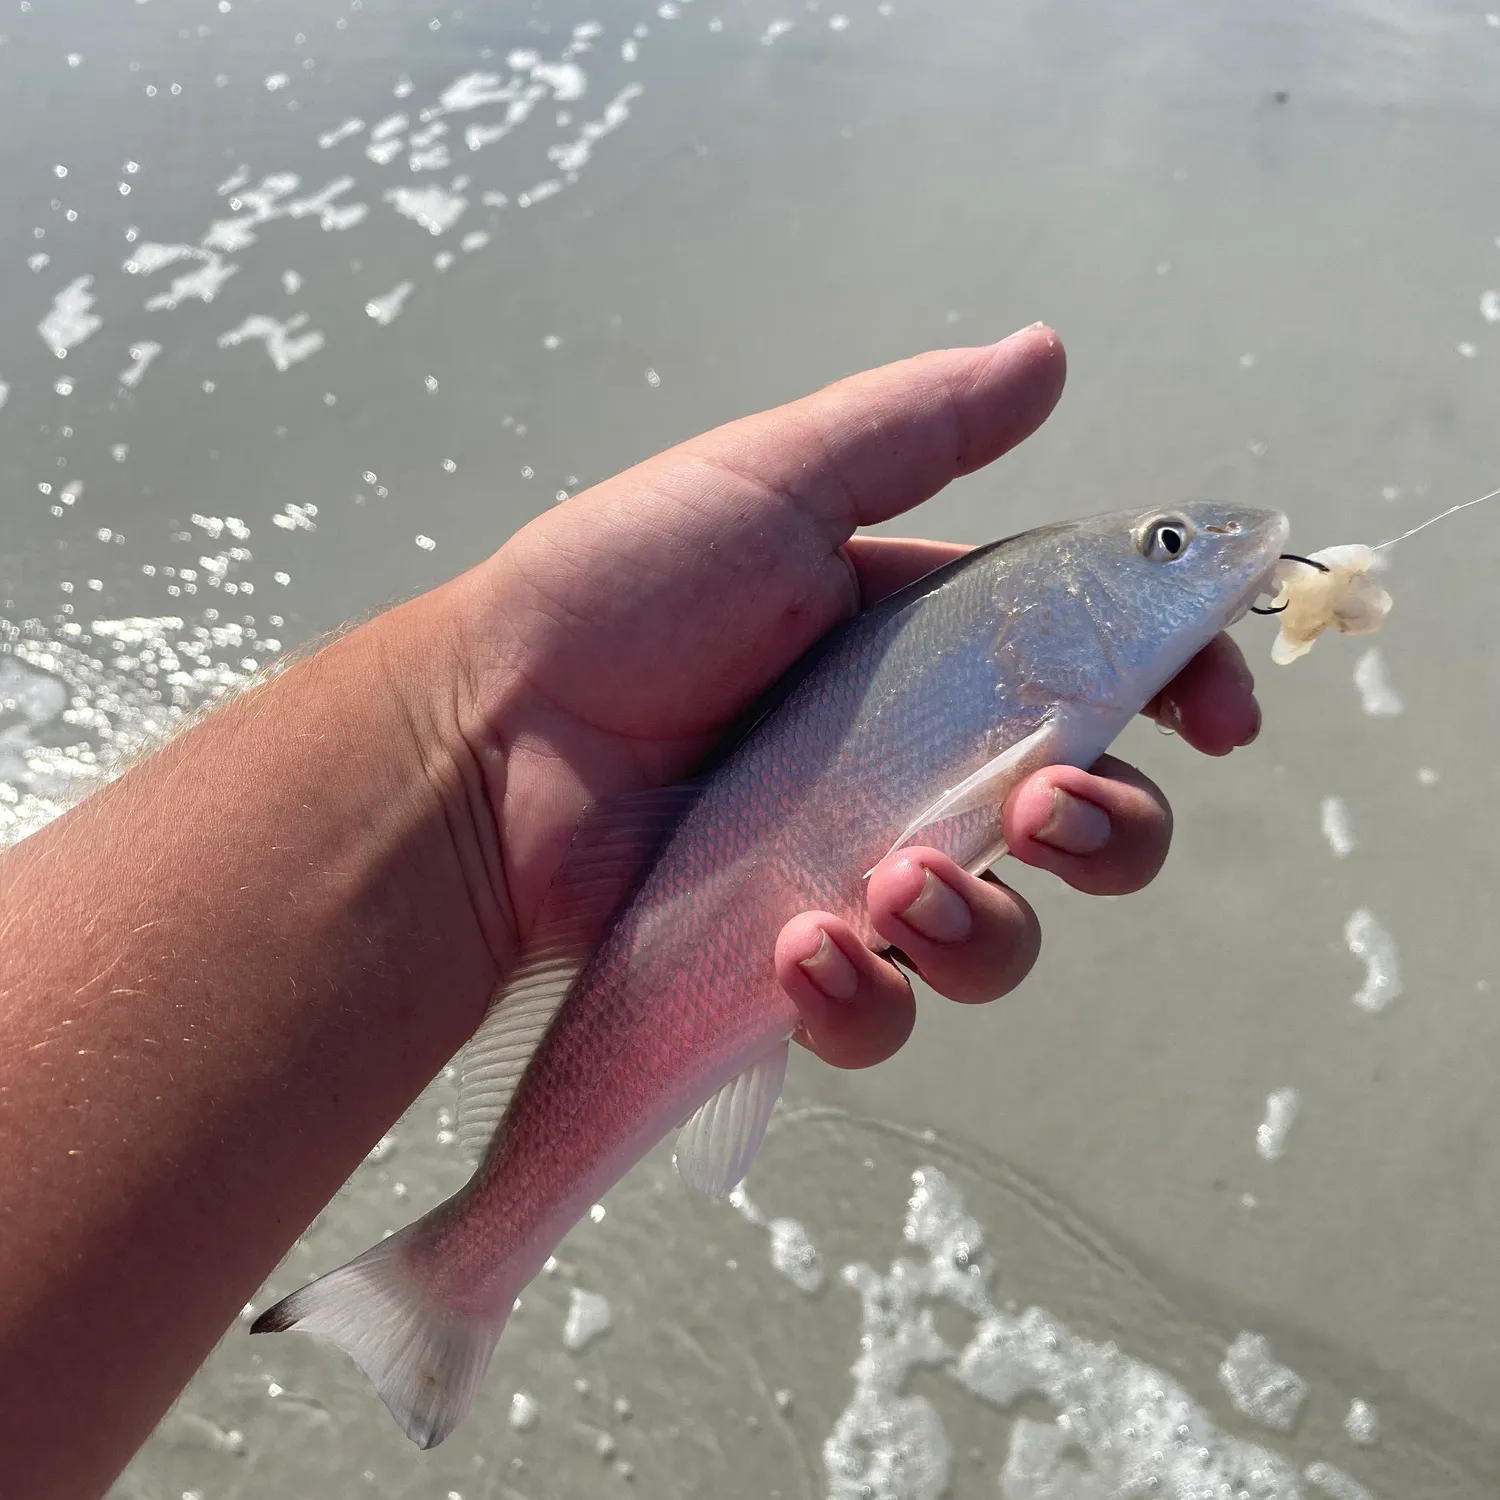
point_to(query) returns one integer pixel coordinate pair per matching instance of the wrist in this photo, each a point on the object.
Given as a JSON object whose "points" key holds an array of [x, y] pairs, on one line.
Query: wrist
{"points": [[413, 669]]}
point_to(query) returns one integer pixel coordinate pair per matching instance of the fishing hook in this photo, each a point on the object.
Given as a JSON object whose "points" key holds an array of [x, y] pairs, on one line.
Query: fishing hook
{"points": [[1256, 609]]}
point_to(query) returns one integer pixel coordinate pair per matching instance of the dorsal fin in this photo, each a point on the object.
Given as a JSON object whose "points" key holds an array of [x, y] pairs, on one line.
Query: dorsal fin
{"points": [[610, 850]]}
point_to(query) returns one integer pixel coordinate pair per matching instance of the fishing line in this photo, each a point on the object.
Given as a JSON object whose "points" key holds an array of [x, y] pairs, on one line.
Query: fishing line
{"points": [[1391, 542], [1429, 521]]}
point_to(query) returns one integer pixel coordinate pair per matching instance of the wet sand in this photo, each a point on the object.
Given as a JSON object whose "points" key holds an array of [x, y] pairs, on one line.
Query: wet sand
{"points": [[1266, 237]]}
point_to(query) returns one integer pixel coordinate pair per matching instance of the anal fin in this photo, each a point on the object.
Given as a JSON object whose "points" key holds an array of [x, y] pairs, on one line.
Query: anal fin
{"points": [[716, 1147]]}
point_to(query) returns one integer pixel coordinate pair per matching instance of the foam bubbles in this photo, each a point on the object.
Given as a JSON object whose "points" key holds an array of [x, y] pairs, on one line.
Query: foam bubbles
{"points": [[1377, 696], [340, 132], [69, 321], [284, 343], [524, 1411], [430, 159], [589, 1318], [435, 208], [1362, 1424], [1334, 1483], [573, 156], [1369, 940], [566, 79], [1122, 1426], [387, 308], [1258, 1387], [795, 1256], [141, 355], [1337, 828], [1282, 1108], [1044, 1463], [887, 1445], [474, 91], [151, 256], [294, 517], [740, 1201], [202, 285]]}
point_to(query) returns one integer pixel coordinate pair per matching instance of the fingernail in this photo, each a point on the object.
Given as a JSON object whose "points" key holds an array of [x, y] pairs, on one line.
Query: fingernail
{"points": [[1076, 826], [1254, 729], [829, 968], [939, 913]]}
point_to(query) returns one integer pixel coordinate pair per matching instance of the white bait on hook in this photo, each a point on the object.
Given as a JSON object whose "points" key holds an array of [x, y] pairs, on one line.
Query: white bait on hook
{"points": [[1337, 592]]}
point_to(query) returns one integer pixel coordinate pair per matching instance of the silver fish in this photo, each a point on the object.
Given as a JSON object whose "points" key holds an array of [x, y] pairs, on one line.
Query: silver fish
{"points": [[648, 995]]}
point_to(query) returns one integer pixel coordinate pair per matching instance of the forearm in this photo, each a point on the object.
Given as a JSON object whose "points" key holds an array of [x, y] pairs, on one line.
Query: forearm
{"points": [[221, 978]]}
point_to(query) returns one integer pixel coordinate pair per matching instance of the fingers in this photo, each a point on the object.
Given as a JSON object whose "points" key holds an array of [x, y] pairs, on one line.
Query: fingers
{"points": [[878, 443], [1105, 831], [972, 940], [857, 1009], [1211, 702]]}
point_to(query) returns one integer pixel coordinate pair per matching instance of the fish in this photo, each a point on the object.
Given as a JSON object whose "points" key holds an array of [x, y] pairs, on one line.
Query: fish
{"points": [[646, 999]]}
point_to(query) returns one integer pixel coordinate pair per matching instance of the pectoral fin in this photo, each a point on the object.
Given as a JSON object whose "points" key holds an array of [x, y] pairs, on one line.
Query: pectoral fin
{"points": [[986, 788]]}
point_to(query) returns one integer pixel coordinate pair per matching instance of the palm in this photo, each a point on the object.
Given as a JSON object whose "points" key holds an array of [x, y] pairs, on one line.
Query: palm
{"points": [[643, 617], [654, 620]]}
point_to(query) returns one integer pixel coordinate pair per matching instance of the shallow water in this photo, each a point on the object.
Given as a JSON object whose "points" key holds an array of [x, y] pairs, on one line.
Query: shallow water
{"points": [[311, 365]]}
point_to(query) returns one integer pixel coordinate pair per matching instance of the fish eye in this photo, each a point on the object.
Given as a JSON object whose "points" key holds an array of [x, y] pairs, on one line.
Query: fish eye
{"points": [[1165, 539]]}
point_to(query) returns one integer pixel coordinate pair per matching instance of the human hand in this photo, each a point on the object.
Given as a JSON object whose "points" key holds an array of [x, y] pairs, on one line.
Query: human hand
{"points": [[615, 640]]}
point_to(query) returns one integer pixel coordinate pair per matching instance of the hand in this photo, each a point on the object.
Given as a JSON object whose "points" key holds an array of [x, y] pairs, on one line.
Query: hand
{"points": [[341, 860], [620, 635]]}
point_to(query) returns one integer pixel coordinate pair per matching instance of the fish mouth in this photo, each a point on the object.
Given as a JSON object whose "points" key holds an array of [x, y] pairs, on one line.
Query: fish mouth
{"points": [[1276, 531]]}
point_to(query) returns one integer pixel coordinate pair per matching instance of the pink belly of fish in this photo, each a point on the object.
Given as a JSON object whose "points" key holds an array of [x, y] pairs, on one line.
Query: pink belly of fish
{"points": [[627, 1060]]}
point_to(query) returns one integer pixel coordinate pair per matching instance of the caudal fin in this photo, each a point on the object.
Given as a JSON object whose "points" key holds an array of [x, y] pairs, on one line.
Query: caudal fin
{"points": [[425, 1361]]}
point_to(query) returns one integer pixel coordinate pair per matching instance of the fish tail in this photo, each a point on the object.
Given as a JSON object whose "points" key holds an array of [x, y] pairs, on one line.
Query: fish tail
{"points": [[426, 1361]]}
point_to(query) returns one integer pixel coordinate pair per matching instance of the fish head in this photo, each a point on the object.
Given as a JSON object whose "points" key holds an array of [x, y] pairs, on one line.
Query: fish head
{"points": [[1108, 609]]}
